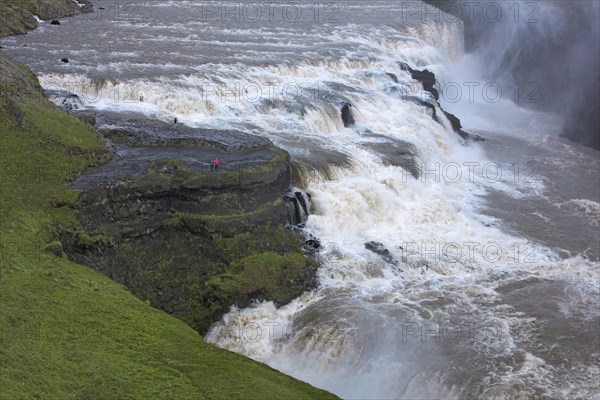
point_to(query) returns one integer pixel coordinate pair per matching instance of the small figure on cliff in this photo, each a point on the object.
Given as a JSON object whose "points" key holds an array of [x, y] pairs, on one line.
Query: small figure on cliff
{"points": [[212, 166], [216, 163], [175, 121]]}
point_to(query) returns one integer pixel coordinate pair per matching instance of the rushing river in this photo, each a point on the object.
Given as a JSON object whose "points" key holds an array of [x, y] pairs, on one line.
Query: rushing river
{"points": [[490, 287]]}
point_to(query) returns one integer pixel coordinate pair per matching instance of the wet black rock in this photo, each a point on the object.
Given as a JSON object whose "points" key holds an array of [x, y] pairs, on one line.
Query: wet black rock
{"points": [[311, 245], [72, 102], [393, 77], [65, 60], [144, 132], [426, 77], [379, 248], [298, 205], [348, 115], [423, 103], [428, 80], [457, 127], [395, 152], [404, 67], [454, 121], [55, 22]]}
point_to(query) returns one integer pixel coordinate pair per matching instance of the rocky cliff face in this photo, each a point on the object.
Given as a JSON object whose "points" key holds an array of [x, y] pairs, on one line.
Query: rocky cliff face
{"points": [[191, 239]]}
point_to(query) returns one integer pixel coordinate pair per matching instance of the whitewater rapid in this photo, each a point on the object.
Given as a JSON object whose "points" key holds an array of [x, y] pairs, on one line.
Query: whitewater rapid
{"points": [[462, 307]]}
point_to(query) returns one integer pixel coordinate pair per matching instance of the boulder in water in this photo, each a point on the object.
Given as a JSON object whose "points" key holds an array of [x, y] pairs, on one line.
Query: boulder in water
{"points": [[65, 60], [404, 66], [454, 121], [394, 152], [457, 127], [55, 22], [423, 103], [298, 204], [311, 245], [347, 115], [379, 248], [392, 77], [426, 77], [72, 102]]}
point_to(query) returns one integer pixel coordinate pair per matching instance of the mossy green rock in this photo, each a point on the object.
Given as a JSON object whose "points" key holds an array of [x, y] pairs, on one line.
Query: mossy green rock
{"points": [[175, 232], [166, 225]]}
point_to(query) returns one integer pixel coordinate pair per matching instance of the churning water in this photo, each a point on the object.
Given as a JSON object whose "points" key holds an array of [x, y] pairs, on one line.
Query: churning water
{"points": [[489, 286]]}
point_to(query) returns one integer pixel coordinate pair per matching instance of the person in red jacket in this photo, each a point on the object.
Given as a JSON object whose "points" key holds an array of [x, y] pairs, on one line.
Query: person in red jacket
{"points": [[216, 163]]}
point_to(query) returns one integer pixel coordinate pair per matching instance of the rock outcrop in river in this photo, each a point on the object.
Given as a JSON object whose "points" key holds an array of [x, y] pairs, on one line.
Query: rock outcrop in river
{"points": [[190, 239]]}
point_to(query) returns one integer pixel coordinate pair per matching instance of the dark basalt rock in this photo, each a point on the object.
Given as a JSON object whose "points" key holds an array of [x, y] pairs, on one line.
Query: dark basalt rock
{"points": [[142, 132], [347, 115], [159, 221], [312, 244], [379, 248], [298, 204], [55, 22], [423, 103], [394, 152], [426, 77], [454, 121], [404, 66], [72, 102], [428, 80], [393, 77], [457, 128], [65, 60]]}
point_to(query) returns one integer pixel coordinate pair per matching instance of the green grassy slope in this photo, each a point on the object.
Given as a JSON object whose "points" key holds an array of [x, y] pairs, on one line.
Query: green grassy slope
{"points": [[17, 16], [66, 332]]}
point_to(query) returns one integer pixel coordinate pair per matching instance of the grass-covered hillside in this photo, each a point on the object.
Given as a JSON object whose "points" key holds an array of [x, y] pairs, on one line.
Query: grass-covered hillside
{"points": [[17, 16], [67, 332]]}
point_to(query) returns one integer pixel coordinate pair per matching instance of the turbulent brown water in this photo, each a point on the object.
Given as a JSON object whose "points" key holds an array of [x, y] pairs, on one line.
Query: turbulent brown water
{"points": [[490, 288]]}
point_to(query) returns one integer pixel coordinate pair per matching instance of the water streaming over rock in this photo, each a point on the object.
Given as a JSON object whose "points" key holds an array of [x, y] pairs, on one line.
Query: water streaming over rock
{"points": [[298, 203]]}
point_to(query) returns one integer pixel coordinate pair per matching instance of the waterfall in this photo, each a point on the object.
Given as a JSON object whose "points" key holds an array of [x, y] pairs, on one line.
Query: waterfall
{"points": [[298, 204], [420, 293]]}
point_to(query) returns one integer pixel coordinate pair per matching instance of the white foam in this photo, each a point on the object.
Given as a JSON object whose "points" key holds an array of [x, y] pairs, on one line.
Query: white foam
{"points": [[345, 331]]}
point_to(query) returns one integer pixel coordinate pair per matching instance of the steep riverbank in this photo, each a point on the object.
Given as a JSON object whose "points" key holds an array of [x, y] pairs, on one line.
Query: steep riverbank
{"points": [[67, 331], [19, 16]]}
